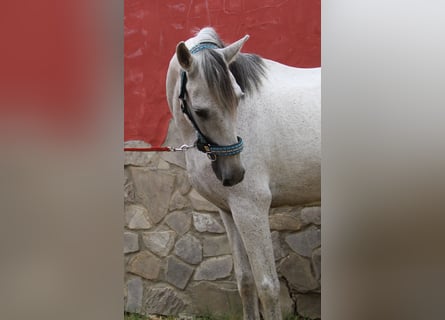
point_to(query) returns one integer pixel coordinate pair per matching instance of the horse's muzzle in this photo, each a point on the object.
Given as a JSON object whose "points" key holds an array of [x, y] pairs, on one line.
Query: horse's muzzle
{"points": [[228, 182], [228, 175]]}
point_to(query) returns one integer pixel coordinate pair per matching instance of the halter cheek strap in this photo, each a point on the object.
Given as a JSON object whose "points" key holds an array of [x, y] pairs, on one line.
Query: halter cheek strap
{"points": [[203, 143]]}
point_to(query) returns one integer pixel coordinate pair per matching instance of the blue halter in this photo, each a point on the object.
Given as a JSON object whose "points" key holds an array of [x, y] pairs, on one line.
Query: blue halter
{"points": [[203, 143]]}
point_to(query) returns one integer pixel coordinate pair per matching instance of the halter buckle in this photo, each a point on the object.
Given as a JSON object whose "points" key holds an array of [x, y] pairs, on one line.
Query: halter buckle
{"points": [[209, 153], [211, 156]]}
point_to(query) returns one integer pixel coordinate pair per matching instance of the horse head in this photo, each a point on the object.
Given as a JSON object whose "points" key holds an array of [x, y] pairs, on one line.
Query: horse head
{"points": [[210, 96]]}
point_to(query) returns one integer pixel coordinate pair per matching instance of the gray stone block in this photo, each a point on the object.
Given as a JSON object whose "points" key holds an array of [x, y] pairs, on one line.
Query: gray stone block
{"points": [[216, 246], [284, 222], [178, 273], [205, 222], [134, 295], [309, 305], [189, 249], [311, 215], [130, 242], [220, 298], [278, 250], [136, 217], [183, 183], [163, 301], [297, 271], [214, 268], [286, 302], [305, 241], [154, 189], [145, 265], [163, 165], [201, 204], [159, 242], [316, 262], [293, 211], [129, 192], [179, 202], [179, 221]]}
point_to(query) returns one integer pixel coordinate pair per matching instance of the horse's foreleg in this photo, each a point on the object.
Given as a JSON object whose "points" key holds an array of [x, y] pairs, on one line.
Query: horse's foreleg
{"points": [[251, 217], [243, 272]]}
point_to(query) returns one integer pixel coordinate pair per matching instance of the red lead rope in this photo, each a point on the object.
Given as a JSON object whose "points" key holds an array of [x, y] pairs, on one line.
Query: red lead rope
{"points": [[184, 147], [150, 149]]}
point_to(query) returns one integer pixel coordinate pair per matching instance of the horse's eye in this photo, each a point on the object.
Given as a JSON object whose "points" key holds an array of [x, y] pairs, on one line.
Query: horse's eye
{"points": [[202, 113]]}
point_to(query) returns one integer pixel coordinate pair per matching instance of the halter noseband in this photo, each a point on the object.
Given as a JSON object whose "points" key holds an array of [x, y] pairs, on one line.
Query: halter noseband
{"points": [[203, 143]]}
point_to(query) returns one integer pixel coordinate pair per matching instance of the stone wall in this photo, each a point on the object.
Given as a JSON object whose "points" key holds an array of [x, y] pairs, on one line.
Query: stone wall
{"points": [[177, 255]]}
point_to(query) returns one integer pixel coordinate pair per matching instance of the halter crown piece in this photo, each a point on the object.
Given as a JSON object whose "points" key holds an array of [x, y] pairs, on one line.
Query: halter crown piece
{"points": [[203, 143]]}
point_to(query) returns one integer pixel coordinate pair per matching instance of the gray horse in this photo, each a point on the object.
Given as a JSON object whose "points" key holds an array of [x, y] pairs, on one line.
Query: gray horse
{"points": [[255, 125]]}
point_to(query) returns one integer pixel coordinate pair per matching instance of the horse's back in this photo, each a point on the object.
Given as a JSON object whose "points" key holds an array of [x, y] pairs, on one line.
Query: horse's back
{"points": [[281, 125], [292, 76]]}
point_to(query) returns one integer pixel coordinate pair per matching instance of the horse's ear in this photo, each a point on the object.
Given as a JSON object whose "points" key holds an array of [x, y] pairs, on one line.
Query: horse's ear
{"points": [[231, 51], [184, 56]]}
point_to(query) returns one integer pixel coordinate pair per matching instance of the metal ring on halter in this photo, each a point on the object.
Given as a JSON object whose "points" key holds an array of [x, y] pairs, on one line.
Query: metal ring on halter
{"points": [[211, 156]]}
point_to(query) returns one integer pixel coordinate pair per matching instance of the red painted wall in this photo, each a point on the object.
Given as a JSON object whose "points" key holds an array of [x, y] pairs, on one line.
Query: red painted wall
{"points": [[285, 31]]}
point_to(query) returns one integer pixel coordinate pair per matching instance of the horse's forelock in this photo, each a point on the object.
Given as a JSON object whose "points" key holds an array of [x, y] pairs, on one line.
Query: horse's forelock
{"points": [[216, 74]]}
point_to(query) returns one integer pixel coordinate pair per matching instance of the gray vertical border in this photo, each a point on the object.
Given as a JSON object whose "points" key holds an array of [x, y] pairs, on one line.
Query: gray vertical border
{"points": [[383, 166]]}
